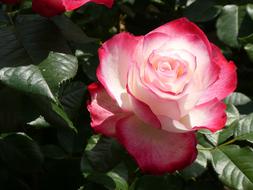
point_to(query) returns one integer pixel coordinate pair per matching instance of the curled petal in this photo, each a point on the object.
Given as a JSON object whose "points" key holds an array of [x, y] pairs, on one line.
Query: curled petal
{"points": [[104, 111], [210, 115], [226, 82]]}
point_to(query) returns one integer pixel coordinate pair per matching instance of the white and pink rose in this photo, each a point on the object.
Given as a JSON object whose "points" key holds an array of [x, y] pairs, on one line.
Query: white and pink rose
{"points": [[155, 91]]}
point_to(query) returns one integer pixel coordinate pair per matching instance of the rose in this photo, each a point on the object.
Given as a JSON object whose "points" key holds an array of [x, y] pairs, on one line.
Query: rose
{"points": [[10, 1], [156, 90], [49, 8]]}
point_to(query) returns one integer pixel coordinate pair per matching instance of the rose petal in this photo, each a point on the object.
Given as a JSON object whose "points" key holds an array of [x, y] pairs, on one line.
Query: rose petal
{"points": [[158, 105], [143, 111], [104, 111], [48, 8], [155, 150], [115, 58], [226, 82], [183, 27], [74, 4], [210, 115]]}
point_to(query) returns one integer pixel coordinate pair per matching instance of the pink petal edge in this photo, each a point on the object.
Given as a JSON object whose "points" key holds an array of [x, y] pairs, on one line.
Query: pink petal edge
{"points": [[155, 150]]}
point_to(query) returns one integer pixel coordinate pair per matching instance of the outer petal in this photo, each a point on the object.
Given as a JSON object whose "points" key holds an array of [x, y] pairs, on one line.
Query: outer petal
{"points": [[48, 8], [155, 150], [226, 82], [210, 115], [183, 27], [115, 58], [104, 111], [74, 4]]}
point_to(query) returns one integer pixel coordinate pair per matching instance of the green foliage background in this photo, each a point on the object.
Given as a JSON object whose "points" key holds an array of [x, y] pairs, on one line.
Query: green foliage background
{"points": [[45, 65]]}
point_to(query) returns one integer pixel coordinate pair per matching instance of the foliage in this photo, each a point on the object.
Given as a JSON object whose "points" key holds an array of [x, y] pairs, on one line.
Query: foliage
{"points": [[45, 66]]}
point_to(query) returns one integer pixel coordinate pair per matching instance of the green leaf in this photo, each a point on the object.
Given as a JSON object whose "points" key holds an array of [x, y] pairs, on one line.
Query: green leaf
{"points": [[121, 183], [246, 39], [93, 140], [244, 130], [226, 133], [20, 152], [228, 25], [197, 167], [237, 99], [234, 166], [112, 180], [29, 40], [39, 122], [105, 155], [4, 21], [103, 179], [58, 68], [149, 182], [232, 114], [43, 79], [249, 49], [27, 79], [88, 59], [72, 141], [202, 11], [71, 96], [220, 136], [75, 34], [57, 109], [249, 9], [53, 151]]}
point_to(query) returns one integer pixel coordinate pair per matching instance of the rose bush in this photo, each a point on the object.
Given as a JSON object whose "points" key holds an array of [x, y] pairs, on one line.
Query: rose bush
{"points": [[49, 8], [155, 90]]}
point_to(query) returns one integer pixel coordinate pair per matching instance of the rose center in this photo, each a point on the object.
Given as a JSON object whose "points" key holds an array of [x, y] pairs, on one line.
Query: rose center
{"points": [[167, 71]]}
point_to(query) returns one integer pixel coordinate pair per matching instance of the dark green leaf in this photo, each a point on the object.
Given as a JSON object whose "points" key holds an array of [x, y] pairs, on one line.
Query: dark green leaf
{"points": [[197, 167], [53, 151], [20, 152], [75, 34], [39, 122], [29, 40], [237, 99], [27, 79], [228, 25], [148, 182], [72, 97], [44, 79], [234, 166], [232, 114], [58, 68], [249, 9], [202, 11], [105, 155], [249, 49], [244, 130], [72, 141]]}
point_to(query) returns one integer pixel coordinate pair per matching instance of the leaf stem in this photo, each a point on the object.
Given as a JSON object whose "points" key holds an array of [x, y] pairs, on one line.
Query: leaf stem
{"points": [[228, 142]]}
